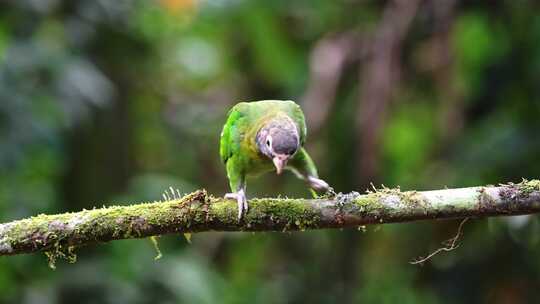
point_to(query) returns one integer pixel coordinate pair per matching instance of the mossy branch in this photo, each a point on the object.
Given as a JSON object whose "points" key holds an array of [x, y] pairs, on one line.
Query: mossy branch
{"points": [[198, 212]]}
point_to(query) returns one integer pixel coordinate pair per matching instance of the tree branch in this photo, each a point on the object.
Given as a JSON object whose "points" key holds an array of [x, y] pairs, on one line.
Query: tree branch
{"points": [[198, 212]]}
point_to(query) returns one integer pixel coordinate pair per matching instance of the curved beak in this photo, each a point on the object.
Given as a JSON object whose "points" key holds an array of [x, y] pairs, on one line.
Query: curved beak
{"points": [[280, 161]]}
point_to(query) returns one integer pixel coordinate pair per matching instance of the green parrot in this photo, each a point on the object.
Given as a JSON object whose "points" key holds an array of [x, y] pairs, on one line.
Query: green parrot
{"points": [[260, 136]]}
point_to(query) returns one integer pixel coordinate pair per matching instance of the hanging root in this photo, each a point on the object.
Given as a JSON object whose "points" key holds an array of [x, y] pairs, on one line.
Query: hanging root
{"points": [[449, 245]]}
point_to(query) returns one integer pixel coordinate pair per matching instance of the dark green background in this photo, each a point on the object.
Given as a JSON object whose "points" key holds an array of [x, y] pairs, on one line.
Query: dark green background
{"points": [[107, 102]]}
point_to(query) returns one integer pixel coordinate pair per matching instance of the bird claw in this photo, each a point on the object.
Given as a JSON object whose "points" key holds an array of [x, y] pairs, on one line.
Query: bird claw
{"points": [[240, 198], [318, 184], [230, 196]]}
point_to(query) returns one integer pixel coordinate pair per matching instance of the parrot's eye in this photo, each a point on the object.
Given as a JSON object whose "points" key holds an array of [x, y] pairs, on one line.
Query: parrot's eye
{"points": [[269, 142]]}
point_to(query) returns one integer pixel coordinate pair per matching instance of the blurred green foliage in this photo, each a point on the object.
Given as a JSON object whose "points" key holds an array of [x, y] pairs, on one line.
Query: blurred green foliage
{"points": [[114, 101]]}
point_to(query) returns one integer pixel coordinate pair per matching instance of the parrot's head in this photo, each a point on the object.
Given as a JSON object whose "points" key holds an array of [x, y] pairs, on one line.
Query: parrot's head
{"points": [[279, 141]]}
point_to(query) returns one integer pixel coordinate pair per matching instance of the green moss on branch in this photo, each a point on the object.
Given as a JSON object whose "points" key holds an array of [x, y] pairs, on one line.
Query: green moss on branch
{"points": [[60, 234]]}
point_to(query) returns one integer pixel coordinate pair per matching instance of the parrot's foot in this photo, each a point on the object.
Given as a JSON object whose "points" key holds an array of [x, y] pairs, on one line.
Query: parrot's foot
{"points": [[240, 197], [317, 184]]}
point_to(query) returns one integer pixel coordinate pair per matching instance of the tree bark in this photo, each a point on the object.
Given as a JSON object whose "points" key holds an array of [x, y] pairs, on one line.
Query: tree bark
{"points": [[198, 211]]}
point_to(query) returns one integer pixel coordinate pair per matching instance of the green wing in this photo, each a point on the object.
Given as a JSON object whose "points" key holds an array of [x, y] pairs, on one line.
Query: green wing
{"points": [[230, 141]]}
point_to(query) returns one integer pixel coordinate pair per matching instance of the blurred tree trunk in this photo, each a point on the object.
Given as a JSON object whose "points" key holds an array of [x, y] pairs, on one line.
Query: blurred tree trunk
{"points": [[379, 78]]}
